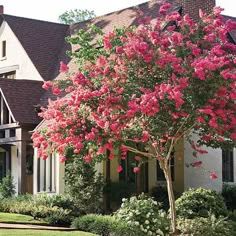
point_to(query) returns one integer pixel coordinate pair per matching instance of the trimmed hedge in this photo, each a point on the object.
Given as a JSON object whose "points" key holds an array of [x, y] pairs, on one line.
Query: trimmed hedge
{"points": [[104, 225]]}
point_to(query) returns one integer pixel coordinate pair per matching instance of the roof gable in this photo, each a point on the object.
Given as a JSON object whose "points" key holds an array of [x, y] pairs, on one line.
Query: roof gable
{"points": [[125, 17], [43, 42], [21, 97]]}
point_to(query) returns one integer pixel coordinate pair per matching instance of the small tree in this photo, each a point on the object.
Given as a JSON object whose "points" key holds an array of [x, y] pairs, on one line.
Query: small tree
{"points": [[147, 85], [84, 185], [74, 16]]}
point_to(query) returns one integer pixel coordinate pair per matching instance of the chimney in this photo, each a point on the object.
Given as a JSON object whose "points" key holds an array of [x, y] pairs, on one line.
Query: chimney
{"points": [[192, 7], [1, 9]]}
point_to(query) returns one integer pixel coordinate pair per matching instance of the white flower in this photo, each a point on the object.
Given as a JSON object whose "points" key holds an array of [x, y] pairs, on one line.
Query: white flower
{"points": [[123, 199], [159, 232], [154, 220], [162, 214], [131, 214], [149, 233], [148, 214], [146, 222], [136, 223], [155, 202]]}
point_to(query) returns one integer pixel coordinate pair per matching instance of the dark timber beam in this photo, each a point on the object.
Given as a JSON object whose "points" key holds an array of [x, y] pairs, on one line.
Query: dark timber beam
{"points": [[21, 158]]}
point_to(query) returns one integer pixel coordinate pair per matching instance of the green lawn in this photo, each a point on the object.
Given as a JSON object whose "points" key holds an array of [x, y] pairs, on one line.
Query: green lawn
{"points": [[23, 232], [18, 218]]}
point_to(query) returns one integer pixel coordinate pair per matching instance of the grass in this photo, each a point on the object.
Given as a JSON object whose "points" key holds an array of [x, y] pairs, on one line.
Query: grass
{"points": [[26, 232], [19, 219]]}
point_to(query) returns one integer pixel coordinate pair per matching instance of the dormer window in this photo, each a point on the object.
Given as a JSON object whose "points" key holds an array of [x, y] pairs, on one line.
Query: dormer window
{"points": [[4, 49]]}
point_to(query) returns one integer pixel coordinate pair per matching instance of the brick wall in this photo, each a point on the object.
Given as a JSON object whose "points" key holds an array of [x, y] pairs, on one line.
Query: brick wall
{"points": [[192, 7]]}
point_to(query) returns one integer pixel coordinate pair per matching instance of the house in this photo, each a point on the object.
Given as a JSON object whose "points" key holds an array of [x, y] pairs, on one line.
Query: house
{"points": [[30, 52]]}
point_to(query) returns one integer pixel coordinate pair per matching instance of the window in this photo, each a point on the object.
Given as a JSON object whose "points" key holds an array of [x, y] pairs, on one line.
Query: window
{"points": [[12, 133], [127, 174], [2, 134], [29, 157], [8, 75], [46, 174], [227, 166], [4, 44]]}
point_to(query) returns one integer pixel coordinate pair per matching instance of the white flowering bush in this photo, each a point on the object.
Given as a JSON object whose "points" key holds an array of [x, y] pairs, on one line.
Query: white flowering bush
{"points": [[145, 213]]}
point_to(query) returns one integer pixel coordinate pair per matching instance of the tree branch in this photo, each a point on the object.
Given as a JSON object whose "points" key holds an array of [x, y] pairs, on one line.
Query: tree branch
{"points": [[139, 152]]}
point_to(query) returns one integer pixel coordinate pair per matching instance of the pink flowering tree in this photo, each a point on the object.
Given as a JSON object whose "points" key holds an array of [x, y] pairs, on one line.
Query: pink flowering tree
{"points": [[153, 84]]}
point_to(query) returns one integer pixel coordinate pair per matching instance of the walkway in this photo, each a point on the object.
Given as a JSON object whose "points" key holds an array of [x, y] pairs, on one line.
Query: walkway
{"points": [[27, 226]]}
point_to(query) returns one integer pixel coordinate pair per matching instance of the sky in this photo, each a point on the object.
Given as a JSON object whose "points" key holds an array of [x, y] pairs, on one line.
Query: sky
{"points": [[49, 10]]}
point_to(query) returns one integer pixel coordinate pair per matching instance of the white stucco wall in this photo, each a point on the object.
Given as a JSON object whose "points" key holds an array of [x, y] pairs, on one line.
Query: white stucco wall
{"points": [[200, 176], [16, 55]]}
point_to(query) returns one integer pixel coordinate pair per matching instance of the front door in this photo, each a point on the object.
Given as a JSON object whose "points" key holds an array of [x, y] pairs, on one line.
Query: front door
{"points": [[29, 169]]}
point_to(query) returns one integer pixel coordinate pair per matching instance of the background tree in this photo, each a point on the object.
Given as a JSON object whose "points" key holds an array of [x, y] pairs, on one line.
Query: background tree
{"points": [[147, 85], [74, 16]]}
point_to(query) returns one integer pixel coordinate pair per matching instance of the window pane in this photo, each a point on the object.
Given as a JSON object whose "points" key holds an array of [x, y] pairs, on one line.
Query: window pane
{"points": [[227, 166], [4, 48], [127, 174]]}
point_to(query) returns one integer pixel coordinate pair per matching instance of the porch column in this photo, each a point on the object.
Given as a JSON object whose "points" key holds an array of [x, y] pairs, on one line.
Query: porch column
{"points": [[35, 172], [21, 159], [60, 174]]}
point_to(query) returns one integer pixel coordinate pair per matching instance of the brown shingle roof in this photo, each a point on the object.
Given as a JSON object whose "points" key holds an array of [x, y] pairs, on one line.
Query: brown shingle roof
{"points": [[43, 41], [125, 17], [22, 96]]}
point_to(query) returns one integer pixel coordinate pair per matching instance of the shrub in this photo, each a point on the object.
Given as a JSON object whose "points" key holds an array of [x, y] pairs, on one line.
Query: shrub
{"points": [[205, 226], [104, 225], [145, 214], [229, 195], [21, 207], [199, 203], [56, 209], [7, 187], [83, 184], [61, 201], [59, 216], [119, 190], [232, 215], [160, 194]]}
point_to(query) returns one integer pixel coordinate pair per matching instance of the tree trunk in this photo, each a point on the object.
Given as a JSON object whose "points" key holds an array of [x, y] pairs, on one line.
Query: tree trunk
{"points": [[171, 197]]}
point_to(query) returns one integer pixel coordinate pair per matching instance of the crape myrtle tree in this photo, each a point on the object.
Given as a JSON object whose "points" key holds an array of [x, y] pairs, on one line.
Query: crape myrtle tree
{"points": [[153, 84]]}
